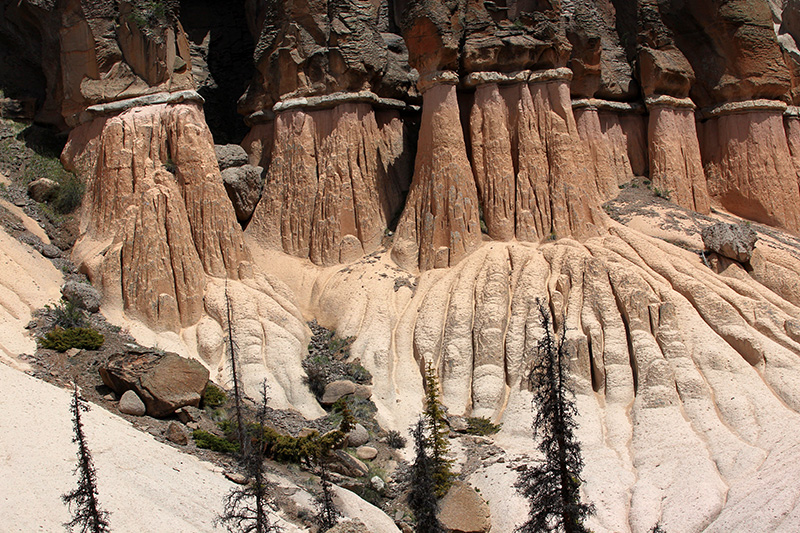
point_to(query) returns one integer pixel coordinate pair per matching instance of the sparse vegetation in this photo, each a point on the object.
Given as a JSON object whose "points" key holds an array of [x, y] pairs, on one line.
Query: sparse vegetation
{"points": [[149, 14], [66, 315], [62, 340], [209, 441], [481, 426], [437, 438], [87, 516], [422, 497], [552, 487], [666, 194], [395, 440], [213, 396]]}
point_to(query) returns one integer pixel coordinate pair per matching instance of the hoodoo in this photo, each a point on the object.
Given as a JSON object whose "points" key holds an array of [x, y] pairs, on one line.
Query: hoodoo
{"points": [[419, 176]]}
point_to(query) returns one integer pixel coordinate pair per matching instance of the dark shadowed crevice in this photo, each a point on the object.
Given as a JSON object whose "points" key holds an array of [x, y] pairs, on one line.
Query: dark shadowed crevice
{"points": [[222, 62]]}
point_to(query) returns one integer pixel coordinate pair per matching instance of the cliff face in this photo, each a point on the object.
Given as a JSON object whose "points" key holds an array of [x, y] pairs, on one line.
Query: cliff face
{"points": [[419, 157]]}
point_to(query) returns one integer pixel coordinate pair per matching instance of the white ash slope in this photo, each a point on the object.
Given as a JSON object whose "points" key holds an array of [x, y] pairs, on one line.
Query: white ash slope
{"points": [[688, 382]]}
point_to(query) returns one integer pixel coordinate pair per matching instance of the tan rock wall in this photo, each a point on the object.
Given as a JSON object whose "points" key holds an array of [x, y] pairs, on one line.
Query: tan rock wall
{"points": [[336, 180], [749, 167], [675, 162], [531, 165], [439, 225], [156, 219]]}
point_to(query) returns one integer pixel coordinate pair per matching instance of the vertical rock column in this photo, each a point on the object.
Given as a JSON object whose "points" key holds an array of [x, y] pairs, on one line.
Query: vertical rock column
{"points": [[336, 178], [748, 162], [791, 123], [156, 220], [616, 139], [440, 224], [530, 163], [675, 162]]}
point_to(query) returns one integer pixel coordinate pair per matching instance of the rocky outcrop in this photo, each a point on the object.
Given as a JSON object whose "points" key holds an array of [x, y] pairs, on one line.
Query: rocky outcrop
{"points": [[156, 217], [164, 382], [530, 162], [748, 163], [336, 179], [732, 241], [310, 48], [440, 223], [616, 137], [676, 166]]}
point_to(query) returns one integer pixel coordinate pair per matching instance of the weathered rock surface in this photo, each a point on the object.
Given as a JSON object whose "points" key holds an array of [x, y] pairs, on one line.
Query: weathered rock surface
{"points": [[358, 436], [83, 295], [42, 189], [175, 433], [131, 404], [336, 180], [532, 191], [150, 236], [676, 167], [164, 383], [669, 361], [343, 463], [230, 155], [462, 510], [366, 453], [336, 390], [749, 166], [730, 240], [244, 185], [439, 225]]}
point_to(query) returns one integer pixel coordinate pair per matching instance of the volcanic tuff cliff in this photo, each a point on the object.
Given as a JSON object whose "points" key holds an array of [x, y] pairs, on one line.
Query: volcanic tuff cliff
{"points": [[390, 132]]}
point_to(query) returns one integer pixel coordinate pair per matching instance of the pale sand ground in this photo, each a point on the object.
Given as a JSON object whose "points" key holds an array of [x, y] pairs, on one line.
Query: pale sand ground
{"points": [[144, 484]]}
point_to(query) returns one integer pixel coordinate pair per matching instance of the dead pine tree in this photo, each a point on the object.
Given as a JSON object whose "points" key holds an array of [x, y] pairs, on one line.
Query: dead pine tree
{"points": [[87, 517], [246, 507], [241, 431], [327, 514], [553, 486]]}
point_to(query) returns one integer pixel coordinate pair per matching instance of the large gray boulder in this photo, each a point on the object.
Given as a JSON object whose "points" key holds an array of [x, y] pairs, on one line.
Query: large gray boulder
{"points": [[165, 382], [734, 241], [244, 185], [131, 404], [82, 295], [230, 155]]}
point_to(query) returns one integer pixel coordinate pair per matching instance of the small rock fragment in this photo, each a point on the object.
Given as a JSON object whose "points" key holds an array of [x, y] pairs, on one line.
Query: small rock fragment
{"points": [[131, 404]]}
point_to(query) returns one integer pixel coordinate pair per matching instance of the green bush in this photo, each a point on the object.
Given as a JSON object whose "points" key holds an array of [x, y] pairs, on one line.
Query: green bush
{"points": [[395, 440], [69, 195], [213, 396], [209, 441], [66, 315], [62, 340], [481, 426]]}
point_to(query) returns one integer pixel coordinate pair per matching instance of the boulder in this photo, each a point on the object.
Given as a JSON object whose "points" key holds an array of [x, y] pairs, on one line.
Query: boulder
{"points": [[343, 463], [230, 155], [350, 526], [363, 391], [164, 382], [82, 295], [336, 389], [358, 436], [366, 453], [51, 251], [42, 189], [377, 483], [244, 185], [131, 404], [462, 510], [174, 433], [730, 240]]}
